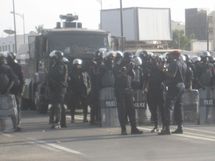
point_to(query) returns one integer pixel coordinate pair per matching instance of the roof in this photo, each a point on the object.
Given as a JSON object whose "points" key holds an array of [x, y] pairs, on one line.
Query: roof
{"points": [[133, 8], [74, 30]]}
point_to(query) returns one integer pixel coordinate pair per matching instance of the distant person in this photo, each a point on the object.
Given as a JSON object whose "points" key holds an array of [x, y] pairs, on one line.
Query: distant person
{"points": [[155, 91], [175, 82], [79, 89], [96, 70], [7, 79], [18, 84], [124, 95], [57, 84]]}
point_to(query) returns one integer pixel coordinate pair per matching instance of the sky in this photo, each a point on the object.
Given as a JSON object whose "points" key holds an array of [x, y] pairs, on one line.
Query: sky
{"points": [[46, 12]]}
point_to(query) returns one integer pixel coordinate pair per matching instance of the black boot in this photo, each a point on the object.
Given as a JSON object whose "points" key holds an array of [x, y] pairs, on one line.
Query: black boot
{"points": [[179, 130], [72, 119], [136, 131], [155, 129], [165, 131], [123, 131]]}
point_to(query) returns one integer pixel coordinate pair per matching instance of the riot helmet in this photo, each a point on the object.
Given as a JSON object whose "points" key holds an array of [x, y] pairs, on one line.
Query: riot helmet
{"points": [[137, 60], [127, 56], [77, 62], [11, 57], [173, 55], [99, 55], [56, 54], [196, 59], [183, 57], [205, 56], [109, 59], [119, 54], [118, 57], [65, 60]]}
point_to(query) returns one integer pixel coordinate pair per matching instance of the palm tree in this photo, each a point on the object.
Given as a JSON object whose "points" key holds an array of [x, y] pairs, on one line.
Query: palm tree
{"points": [[39, 29]]}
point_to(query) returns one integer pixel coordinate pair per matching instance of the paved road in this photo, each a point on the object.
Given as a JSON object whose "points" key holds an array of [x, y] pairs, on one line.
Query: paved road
{"points": [[82, 142]]}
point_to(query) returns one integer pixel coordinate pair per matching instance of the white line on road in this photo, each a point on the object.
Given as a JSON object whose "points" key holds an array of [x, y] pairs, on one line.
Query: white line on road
{"points": [[196, 137], [7, 135], [64, 149], [206, 131], [54, 147], [44, 146], [190, 135]]}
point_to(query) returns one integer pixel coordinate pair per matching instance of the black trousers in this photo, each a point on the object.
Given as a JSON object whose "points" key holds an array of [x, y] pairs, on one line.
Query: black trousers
{"points": [[79, 101], [126, 109], [95, 112], [63, 116], [173, 101], [155, 100]]}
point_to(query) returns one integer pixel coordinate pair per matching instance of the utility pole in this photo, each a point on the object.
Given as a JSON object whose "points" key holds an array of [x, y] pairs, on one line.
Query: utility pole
{"points": [[208, 35], [23, 23], [14, 24], [121, 25]]}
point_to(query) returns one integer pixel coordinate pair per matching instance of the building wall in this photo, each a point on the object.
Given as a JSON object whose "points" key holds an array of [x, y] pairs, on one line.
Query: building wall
{"points": [[7, 43], [196, 23], [139, 24], [211, 29]]}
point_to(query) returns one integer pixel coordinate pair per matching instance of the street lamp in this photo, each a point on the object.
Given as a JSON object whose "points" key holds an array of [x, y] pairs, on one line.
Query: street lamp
{"points": [[14, 24], [23, 21]]}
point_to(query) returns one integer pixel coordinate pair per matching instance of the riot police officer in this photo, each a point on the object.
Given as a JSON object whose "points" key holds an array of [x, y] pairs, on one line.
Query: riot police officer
{"points": [[176, 73], [18, 84], [57, 84], [205, 73], [155, 91], [124, 95], [79, 86], [7, 79], [96, 71]]}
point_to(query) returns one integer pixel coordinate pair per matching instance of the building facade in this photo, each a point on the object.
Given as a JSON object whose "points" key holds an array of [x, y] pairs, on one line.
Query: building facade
{"points": [[8, 43], [196, 25], [176, 25]]}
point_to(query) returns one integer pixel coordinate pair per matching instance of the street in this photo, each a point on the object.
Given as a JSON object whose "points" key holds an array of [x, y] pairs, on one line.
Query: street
{"points": [[84, 142]]}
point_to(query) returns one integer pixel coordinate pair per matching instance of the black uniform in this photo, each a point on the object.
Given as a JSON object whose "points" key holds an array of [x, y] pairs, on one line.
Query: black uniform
{"points": [[57, 83], [79, 89], [175, 87], [17, 87], [7, 78], [96, 72], [155, 94], [124, 95]]}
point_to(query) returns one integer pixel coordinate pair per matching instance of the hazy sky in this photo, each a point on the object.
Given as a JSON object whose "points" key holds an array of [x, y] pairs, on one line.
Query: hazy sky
{"points": [[46, 12]]}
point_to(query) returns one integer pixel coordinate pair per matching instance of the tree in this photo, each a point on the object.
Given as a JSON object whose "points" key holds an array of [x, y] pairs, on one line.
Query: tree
{"points": [[180, 40], [39, 29]]}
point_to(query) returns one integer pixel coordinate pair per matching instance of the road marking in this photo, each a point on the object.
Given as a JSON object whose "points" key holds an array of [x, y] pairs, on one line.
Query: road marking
{"points": [[44, 146], [206, 131], [190, 135], [64, 148], [196, 137], [54, 147], [201, 135], [7, 135]]}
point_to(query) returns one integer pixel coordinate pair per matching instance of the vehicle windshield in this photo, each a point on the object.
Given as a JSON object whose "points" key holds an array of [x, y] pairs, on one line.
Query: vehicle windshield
{"points": [[77, 43]]}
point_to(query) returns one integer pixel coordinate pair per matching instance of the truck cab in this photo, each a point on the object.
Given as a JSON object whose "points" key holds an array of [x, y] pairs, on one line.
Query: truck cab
{"points": [[73, 42]]}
